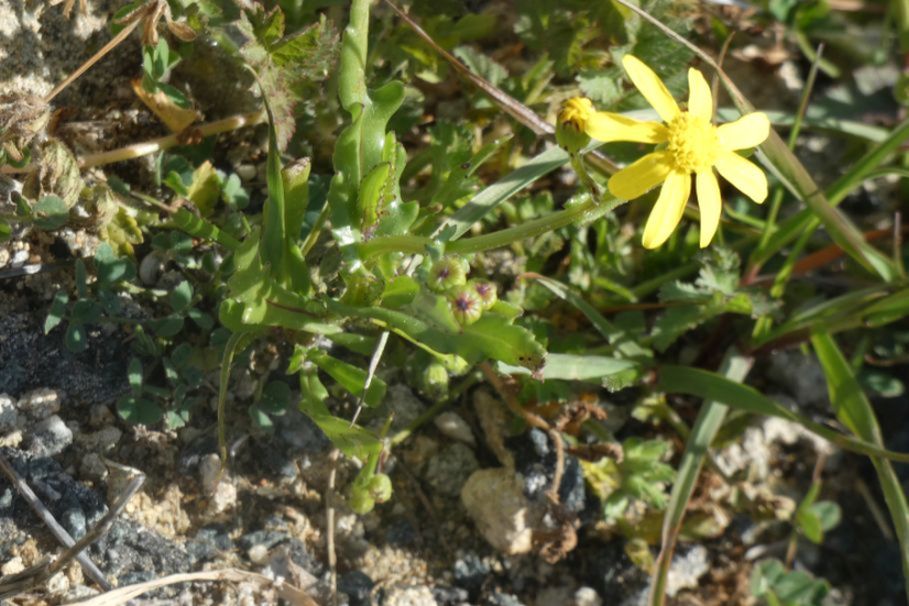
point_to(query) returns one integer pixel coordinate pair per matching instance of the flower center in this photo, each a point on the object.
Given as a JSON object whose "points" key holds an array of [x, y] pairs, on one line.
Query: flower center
{"points": [[693, 143]]}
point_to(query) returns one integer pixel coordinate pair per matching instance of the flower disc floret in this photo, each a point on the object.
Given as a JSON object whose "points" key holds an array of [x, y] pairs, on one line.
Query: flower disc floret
{"points": [[692, 142]]}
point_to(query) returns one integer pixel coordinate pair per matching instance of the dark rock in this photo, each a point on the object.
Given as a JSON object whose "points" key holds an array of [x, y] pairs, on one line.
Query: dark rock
{"points": [[75, 505], [208, 543], [607, 569], [470, 572], [132, 553], [536, 460], [400, 532], [273, 459], [358, 587]]}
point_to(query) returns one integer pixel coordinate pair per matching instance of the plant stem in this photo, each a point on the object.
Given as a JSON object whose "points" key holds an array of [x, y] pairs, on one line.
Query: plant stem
{"points": [[496, 239]]}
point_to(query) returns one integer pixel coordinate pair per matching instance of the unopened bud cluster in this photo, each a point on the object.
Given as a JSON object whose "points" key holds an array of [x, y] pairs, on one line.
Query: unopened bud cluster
{"points": [[468, 299]]}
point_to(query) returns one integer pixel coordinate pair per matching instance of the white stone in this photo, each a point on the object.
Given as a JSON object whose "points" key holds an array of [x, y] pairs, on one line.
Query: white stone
{"points": [[258, 554], [224, 498], [587, 596], [495, 501], [419, 595], [13, 566], [452, 425]]}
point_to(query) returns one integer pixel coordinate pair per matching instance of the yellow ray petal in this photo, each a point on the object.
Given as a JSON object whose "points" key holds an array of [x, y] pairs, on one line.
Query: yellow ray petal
{"points": [[668, 209], [607, 126], [638, 178], [650, 85], [700, 101], [710, 204], [744, 175], [748, 131]]}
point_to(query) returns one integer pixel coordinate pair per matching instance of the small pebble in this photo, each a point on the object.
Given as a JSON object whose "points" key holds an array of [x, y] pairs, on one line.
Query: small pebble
{"points": [[258, 554], [452, 425]]}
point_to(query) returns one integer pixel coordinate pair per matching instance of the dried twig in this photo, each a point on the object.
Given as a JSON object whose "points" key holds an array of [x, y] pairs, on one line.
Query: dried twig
{"points": [[289, 593], [35, 575], [330, 526]]}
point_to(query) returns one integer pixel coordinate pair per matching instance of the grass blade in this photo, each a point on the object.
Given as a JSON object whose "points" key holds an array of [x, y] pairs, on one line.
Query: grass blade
{"points": [[854, 410], [734, 368], [712, 386]]}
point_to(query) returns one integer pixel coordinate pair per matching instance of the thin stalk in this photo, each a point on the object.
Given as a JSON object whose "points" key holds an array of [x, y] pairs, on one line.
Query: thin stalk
{"points": [[793, 136], [120, 37]]}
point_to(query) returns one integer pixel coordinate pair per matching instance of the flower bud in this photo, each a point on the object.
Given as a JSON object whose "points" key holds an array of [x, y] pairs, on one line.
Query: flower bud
{"points": [[447, 273], [572, 124], [361, 502], [466, 305], [487, 292], [380, 488], [434, 380]]}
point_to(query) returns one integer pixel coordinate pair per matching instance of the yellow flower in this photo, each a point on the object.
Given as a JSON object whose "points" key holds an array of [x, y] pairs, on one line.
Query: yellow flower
{"points": [[693, 145]]}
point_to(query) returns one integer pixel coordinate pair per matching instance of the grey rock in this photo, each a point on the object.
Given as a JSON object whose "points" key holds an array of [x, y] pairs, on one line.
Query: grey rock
{"points": [[9, 415], [449, 468], [73, 519], [687, 568], [40, 403], [495, 501], [404, 404], [50, 437], [800, 375], [101, 441], [208, 543], [470, 571]]}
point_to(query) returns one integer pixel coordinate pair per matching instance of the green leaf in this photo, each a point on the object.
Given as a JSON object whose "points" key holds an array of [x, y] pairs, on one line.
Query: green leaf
{"points": [[56, 312], [350, 377], [110, 268], [200, 228], [134, 376], [50, 213], [181, 296], [76, 338], [139, 410], [572, 367], [167, 326], [275, 398], [352, 440]]}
